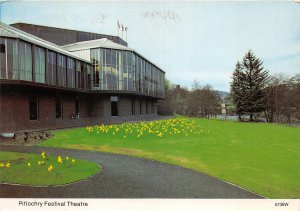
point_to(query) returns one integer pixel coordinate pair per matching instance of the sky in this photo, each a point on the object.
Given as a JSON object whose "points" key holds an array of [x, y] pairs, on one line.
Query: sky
{"points": [[192, 40]]}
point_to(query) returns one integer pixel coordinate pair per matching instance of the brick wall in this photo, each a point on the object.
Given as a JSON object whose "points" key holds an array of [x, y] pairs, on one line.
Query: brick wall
{"points": [[94, 109]]}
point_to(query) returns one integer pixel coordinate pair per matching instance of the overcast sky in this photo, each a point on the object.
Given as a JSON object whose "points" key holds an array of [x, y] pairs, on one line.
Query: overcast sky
{"points": [[188, 40]]}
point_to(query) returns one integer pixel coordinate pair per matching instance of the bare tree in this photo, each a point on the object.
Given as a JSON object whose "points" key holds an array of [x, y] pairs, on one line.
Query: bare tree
{"points": [[203, 102], [283, 98]]}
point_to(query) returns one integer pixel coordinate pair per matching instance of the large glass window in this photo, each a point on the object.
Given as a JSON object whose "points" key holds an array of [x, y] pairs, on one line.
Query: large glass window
{"points": [[108, 69], [114, 72], [120, 70], [95, 58], [71, 73], [11, 58], [133, 72], [25, 61], [103, 83], [142, 75], [62, 70], [39, 60], [88, 77], [80, 69], [14, 59], [138, 70], [51, 68], [125, 70], [3, 59], [129, 62]]}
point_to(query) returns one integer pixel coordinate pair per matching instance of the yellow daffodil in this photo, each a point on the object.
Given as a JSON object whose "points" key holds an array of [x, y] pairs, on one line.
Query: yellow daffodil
{"points": [[160, 135], [2, 165], [73, 160], [50, 168], [7, 165], [59, 159], [172, 127], [29, 164]]}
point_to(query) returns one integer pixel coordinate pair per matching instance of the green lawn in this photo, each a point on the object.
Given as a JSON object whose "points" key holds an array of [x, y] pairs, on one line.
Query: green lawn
{"points": [[33, 169], [263, 158]]}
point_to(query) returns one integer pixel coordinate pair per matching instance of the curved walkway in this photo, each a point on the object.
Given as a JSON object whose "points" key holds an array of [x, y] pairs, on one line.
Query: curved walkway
{"points": [[126, 177]]}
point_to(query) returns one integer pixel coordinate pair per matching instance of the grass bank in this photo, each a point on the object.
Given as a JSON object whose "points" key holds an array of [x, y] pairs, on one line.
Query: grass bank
{"points": [[43, 170], [263, 158]]}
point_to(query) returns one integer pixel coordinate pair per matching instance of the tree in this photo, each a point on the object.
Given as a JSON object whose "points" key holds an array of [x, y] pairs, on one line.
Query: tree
{"points": [[283, 98], [237, 89], [175, 100], [203, 101], [248, 84]]}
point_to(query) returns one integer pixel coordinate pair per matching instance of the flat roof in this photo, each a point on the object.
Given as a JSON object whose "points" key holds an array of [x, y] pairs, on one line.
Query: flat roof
{"points": [[67, 29], [9, 31]]}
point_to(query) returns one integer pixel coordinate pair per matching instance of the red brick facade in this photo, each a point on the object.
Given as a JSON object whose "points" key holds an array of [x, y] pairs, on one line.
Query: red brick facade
{"points": [[95, 108]]}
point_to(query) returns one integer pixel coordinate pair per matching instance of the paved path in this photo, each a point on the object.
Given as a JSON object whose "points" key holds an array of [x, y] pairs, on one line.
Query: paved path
{"points": [[127, 177]]}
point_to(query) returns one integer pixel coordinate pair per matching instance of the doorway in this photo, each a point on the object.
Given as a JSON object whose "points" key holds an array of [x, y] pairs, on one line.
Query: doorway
{"points": [[114, 105]]}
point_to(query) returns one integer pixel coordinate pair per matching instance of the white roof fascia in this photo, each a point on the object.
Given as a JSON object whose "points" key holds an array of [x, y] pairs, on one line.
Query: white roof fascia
{"points": [[90, 44]]}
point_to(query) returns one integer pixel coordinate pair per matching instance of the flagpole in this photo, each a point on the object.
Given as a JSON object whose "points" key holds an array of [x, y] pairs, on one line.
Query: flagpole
{"points": [[118, 25]]}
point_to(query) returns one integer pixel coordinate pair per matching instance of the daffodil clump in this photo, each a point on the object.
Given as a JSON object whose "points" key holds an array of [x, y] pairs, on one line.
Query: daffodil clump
{"points": [[43, 169], [159, 129], [44, 161], [5, 165]]}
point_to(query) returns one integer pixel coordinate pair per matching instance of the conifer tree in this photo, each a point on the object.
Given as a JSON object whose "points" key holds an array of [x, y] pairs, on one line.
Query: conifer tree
{"points": [[248, 84], [237, 89]]}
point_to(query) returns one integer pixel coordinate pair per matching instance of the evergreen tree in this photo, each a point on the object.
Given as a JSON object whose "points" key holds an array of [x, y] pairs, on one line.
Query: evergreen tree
{"points": [[248, 84], [238, 88]]}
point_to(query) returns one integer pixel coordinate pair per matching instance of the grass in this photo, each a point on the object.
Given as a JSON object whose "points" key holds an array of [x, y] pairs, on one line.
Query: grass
{"points": [[32, 169], [263, 158]]}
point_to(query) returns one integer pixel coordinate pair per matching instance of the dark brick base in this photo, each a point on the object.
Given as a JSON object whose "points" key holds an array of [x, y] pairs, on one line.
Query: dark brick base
{"points": [[94, 109]]}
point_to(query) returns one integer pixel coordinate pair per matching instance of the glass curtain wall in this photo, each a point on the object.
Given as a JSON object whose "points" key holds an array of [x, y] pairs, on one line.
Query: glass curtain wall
{"points": [[124, 70], [17, 63], [113, 69]]}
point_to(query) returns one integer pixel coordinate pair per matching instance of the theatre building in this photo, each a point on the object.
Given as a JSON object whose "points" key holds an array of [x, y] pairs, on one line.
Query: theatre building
{"points": [[56, 78]]}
